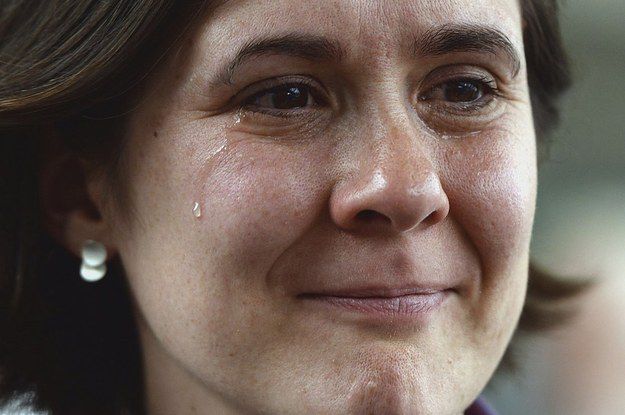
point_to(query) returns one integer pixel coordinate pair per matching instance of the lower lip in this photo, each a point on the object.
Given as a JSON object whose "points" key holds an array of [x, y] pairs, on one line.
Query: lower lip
{"points": [[411, 306]]}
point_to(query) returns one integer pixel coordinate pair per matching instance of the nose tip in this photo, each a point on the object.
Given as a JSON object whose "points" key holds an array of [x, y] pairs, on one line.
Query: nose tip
{"points": [[398, 204], [424, 203]]}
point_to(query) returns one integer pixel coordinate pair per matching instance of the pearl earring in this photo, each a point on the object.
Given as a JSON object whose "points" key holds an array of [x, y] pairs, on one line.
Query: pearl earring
{"points": [[93, 265]]}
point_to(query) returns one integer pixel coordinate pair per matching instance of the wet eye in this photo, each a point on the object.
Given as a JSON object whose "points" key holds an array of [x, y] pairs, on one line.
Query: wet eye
{"points": [[463, 91], [460, 102], [283, 97]]}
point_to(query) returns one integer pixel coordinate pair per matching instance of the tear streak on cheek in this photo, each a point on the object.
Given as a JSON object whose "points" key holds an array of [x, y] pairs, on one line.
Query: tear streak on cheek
{"points": [[255, 201]]}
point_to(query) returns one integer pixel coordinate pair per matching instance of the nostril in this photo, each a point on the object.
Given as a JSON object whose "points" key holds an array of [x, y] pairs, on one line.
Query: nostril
{"points": [[431, 219], [435, 217], [368, 215]]}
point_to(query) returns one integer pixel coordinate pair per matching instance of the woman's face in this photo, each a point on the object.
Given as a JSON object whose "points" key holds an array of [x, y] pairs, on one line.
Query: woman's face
{"points": [[365, 179]]}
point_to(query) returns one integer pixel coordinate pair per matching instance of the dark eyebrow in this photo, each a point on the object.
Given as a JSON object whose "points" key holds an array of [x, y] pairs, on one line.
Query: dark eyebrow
{"points": [[310, 47], [467, 38]]}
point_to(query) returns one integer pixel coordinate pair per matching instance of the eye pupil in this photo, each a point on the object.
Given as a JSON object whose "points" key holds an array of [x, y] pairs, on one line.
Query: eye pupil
{"points": [[289, 97], [462, 91]]}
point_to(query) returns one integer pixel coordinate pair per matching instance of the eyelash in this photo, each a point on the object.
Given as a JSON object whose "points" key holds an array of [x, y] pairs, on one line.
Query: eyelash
{"points": [[309, 85], [487, 86]]}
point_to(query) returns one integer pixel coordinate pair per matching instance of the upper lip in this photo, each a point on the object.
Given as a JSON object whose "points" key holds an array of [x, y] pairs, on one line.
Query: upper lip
{"points": [[382, 275], [377, 291]]}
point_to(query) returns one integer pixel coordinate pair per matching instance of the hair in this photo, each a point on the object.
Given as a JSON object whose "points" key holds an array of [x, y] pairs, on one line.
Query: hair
{"points": [[78, 68]]}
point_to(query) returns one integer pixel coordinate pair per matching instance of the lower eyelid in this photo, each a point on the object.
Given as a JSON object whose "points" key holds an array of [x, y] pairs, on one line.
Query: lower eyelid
{"points": [[462, 120], [279, 112], [479, 104], [263, 114]]}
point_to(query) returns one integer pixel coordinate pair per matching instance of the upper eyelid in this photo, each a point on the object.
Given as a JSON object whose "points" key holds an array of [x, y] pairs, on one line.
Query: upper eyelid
{"points": [[459, 71]]}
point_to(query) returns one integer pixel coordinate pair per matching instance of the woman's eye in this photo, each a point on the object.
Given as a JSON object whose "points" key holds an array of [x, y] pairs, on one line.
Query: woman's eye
{"points": [[467, 93], [283, 97], [463, 91]]}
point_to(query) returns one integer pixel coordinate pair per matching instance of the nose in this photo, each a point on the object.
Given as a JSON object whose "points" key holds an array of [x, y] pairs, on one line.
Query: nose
{"points": [[396, 188]]}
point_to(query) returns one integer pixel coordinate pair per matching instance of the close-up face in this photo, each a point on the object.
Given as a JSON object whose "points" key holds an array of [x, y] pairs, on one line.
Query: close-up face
{"points": [[330, 206]]}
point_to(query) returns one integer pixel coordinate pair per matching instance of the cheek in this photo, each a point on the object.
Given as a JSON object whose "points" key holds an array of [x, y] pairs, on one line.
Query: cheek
{"points": [[259, 198], [190, 274], [492, 194], [492, 197], [491, 184]]}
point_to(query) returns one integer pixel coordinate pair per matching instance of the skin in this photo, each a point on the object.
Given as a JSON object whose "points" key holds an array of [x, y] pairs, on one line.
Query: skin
{"points": [[448, 196]]}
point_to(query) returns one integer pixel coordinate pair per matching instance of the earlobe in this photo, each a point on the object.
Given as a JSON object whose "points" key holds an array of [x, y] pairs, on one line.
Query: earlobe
{"points": [[69, 211]]}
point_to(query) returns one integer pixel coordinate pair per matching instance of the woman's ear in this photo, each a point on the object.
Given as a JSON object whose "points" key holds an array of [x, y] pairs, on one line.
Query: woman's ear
{"points": [[72, 198]]}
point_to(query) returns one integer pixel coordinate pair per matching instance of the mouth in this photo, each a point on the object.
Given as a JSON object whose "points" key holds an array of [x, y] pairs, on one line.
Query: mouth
{"points": [[388, 306]]}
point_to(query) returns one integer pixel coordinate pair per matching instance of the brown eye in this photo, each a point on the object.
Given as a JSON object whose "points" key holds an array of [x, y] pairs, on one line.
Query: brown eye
{"points": [[284, 97], [462, 94], [463, 91]]}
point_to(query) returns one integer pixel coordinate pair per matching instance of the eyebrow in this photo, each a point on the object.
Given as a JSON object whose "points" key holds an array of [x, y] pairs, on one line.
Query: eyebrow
{"points": [[467, 38], [309, 47], [438, 41]]}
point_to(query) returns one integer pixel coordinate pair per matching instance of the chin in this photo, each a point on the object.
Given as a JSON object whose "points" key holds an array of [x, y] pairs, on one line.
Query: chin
{"points": [[393, 381]]}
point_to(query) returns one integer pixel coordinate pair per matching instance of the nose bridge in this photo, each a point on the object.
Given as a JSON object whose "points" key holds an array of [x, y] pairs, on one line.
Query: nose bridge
{"points": [[396, 182], [400, 155], [404, 163]]}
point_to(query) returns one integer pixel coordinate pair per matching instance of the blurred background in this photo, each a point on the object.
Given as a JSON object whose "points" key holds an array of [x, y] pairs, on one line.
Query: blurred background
{"points": [[580, 231]]}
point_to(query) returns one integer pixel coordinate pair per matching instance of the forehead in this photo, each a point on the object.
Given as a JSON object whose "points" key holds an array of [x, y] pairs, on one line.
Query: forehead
{"points": [[369, 23]]}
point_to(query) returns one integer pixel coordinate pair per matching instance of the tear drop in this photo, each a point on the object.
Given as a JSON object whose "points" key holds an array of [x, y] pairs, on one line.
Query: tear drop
{"points": [[239, 117], [197, 211]]}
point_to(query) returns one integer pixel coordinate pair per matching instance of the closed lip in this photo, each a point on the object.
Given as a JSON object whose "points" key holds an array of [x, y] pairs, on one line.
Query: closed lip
{"points": [[376, 291], [382, 303]]}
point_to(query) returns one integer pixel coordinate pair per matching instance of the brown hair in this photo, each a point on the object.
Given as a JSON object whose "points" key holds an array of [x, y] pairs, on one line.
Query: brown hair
{"points": [[79, 66]]}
